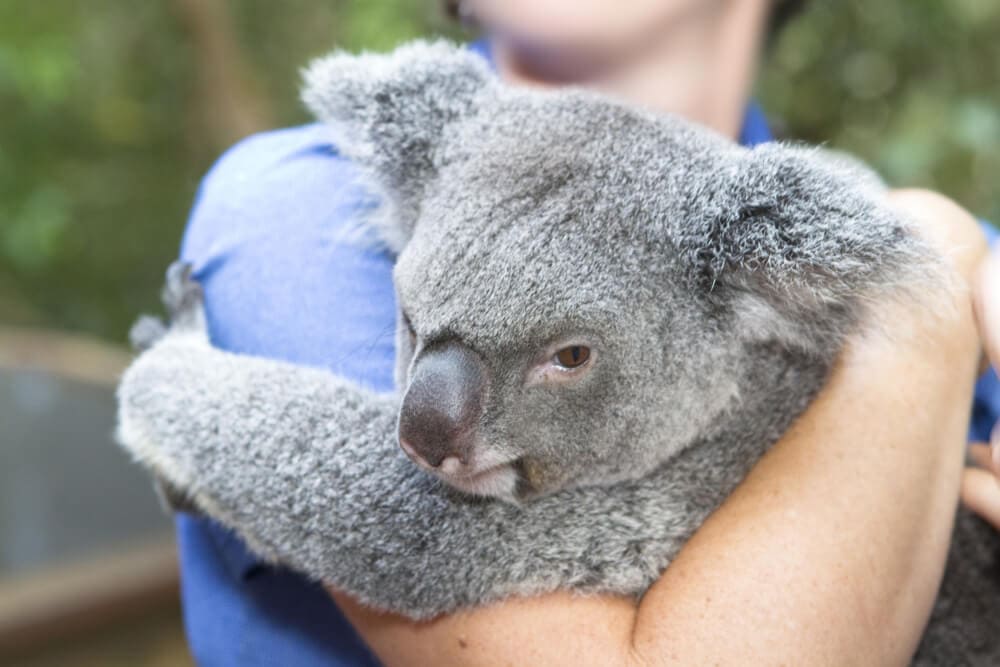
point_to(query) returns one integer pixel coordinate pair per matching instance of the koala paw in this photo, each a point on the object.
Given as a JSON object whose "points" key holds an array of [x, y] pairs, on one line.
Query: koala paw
{"points": [[183, 299], [173, 499], [146, 331]]}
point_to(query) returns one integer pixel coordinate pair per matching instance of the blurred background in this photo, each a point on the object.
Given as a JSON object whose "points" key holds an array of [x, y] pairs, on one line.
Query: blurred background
{"points": [[110, 112]]}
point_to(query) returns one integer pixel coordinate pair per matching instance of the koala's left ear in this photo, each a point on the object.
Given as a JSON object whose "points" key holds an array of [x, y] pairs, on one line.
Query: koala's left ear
{"points": [[803, 231], [390, 113]]}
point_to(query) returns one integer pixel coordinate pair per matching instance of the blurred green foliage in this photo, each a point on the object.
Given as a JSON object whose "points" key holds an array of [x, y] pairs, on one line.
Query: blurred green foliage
{"points": [[103, 139], [911, 86], [110, 111]]}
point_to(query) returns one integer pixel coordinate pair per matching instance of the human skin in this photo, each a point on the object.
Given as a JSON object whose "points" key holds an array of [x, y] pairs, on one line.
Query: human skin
{"points": [[981, 482], [832, 549], [695, 58]]}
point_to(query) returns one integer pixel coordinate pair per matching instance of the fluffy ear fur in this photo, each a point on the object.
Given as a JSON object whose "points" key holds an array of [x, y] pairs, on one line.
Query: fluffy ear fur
{"points": [[390, 113], [792, 234]]}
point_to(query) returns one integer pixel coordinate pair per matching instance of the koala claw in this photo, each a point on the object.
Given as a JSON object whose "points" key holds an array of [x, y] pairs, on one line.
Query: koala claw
{"points": [[173, 499], [182, 297], [146, 331]]}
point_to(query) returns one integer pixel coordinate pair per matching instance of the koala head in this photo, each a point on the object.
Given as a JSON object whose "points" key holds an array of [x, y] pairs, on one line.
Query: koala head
{"points": [[580, 283]]}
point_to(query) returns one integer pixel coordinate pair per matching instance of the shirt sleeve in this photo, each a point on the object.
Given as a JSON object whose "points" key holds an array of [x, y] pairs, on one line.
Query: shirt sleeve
{"points": [[274, 240]]}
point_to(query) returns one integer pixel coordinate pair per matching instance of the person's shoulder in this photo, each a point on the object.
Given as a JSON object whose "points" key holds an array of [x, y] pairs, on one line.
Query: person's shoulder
{"points": [[263, 151], [278, 243], [266, 177]]}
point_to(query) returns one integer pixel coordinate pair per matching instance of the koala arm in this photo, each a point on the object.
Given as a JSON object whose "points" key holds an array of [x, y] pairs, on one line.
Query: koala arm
{"points": [[305, 467]]}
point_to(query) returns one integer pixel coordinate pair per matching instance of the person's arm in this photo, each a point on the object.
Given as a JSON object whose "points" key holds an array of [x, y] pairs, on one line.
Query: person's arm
{"points": [[980, 487], [831, 550]]}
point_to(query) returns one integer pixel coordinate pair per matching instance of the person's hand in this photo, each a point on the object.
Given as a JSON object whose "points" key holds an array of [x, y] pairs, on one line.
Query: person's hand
{"points": [[981, 482]]}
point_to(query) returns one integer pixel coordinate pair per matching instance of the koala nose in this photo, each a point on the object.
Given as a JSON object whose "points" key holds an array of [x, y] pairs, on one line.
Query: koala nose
{"points": [[442, 405]]}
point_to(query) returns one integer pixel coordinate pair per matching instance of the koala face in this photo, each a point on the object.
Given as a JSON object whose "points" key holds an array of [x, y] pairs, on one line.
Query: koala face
{"points": [[544, 324], [521, 401], [527, 400], [581, 283]]}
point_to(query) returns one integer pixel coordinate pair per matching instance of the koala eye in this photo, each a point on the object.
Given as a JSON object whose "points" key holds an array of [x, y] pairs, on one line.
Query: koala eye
{"points": [[562, 365], [573, 356]]}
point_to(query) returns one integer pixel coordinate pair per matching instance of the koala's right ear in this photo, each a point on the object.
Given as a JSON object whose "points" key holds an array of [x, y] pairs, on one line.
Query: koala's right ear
{"points": [[390, 112]]}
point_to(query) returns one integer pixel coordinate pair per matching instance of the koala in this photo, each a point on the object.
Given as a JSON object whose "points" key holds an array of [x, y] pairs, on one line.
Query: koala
{"points": [[606, 316]]}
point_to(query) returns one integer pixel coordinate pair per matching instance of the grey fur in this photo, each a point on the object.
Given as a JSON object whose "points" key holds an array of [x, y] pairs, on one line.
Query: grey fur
{"points": [[716, 283]]}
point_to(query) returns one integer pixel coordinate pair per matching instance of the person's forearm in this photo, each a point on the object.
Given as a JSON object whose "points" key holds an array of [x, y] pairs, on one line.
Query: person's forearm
{"points": [[839, 536], [841, 532]]}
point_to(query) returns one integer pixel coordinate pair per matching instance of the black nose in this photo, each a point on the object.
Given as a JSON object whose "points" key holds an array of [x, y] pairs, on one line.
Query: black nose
{"points": [[442, 404]]}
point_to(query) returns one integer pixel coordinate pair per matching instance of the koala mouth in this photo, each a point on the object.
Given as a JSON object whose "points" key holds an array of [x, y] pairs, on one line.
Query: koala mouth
{"points": [[486, 474], [496, 481]]}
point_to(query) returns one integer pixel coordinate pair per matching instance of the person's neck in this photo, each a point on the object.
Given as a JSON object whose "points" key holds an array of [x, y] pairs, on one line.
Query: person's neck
{"points": [[701, 67]]}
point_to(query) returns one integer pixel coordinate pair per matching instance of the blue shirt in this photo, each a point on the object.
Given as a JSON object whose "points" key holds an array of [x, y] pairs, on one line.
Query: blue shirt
{"points": [[269, 239]]}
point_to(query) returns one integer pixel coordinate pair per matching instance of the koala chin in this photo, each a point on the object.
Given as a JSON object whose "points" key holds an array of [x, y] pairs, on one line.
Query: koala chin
{"points": [[499, 481]]}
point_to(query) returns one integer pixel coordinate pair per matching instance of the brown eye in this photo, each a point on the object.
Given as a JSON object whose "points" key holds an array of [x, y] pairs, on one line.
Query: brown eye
{"points": [[573, 356]]}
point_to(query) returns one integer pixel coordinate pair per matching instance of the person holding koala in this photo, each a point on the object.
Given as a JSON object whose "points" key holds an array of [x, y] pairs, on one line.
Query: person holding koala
{"points": [[784, 569]]}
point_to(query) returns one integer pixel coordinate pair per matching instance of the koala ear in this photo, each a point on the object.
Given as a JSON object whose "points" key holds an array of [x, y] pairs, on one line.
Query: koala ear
{"points": [[791, 233], [390, 112]]}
